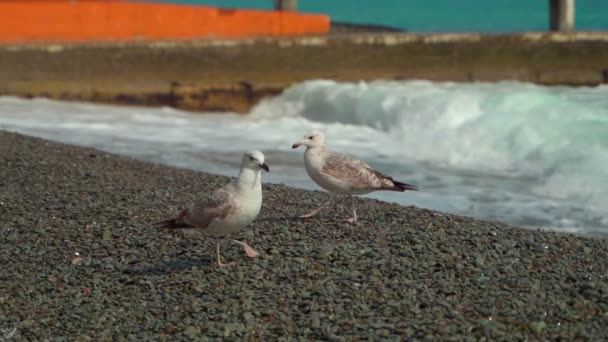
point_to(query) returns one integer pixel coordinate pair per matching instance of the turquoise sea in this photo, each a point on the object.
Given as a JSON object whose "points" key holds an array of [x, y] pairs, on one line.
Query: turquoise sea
{"points": [[439, 15]]}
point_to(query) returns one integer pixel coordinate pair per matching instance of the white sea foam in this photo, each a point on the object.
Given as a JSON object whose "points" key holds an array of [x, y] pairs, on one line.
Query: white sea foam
{"points": [[520, 153], [546, 143]]}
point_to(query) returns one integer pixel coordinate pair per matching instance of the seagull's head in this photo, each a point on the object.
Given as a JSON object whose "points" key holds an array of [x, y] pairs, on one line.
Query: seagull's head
{"points": [[314, 138], [254, 159]]}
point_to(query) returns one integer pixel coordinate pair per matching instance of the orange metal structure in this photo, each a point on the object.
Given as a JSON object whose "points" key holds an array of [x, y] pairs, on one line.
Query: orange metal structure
{"points": [[26, 21]]}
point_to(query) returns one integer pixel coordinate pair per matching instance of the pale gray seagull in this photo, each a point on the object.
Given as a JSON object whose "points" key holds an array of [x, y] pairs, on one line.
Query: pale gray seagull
{"points": [[342, 174], [227, 209]]}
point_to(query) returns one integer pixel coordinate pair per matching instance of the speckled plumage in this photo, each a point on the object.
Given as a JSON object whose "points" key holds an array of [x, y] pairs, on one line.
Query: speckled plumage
{"points": [[342, 174], [227, 209]]}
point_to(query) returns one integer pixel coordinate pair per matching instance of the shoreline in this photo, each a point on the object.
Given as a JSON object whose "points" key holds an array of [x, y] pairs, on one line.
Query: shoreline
{"points": [[400, 272], [234, 75]]}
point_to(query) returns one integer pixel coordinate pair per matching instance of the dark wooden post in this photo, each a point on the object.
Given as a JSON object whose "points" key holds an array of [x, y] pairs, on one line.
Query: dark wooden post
{"points": [[286, 5], [561, 15]]}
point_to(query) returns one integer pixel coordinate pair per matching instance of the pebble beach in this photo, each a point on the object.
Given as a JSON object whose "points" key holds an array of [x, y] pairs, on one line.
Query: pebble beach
{"points": [[80, 261]]}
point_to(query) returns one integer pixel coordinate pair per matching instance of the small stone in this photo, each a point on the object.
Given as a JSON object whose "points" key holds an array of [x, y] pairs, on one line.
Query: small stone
{"points": [[316, 322], [192, 331], [479, 261], [451, 314], [77, 260], [325, 251], [89, 173], [107, 234], [538, 327], [394, 303]]}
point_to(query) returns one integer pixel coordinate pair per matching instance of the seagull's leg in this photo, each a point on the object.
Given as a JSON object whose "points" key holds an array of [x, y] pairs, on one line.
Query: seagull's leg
{"points": [[354, 218], [219, 258], [316, 211], [248, 250]]}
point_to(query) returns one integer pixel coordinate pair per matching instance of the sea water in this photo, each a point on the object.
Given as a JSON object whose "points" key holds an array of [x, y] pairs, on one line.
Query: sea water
{"points": [[439, 15], [524, 154]]}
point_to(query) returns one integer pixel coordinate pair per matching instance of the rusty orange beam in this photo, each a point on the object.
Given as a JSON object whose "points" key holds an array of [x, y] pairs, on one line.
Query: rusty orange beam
{"points": [[26, 21]]}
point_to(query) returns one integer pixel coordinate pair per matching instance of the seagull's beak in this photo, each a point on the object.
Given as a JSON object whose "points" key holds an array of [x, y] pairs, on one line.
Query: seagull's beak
{"points": [[296, 145], [265, 167]]}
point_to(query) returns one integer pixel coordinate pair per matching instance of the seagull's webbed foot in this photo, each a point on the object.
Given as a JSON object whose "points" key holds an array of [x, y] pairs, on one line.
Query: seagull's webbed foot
{"points": [[248, 250], [309, 215], [219, 258], [314, 212], [221, 264]]}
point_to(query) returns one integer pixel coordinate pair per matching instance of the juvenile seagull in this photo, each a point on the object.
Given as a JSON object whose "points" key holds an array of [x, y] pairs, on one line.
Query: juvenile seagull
{"points": [[341, 174], [227, 209]]}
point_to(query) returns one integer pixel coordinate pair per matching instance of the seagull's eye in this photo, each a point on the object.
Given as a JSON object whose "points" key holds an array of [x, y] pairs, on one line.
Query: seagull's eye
{"points": [[311, 137], [251, 158]]}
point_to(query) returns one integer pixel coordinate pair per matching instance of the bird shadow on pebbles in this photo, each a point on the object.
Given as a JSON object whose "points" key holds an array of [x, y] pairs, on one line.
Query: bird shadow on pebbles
{"points": [[278, 219], [171, 266]]}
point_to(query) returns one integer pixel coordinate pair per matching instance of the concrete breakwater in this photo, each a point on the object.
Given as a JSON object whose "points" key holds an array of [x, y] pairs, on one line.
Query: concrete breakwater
{"points": [[233, 75]]}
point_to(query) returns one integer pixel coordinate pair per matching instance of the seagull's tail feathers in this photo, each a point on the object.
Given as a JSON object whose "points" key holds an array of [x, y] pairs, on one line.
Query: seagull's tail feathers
{"points": [[388, 183], [170, 224], [399, 186]]}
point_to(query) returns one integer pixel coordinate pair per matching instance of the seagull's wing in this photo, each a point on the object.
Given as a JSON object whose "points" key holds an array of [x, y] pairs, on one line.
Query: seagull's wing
{"points": [[208, 208], [204, 210], [358, 174]]}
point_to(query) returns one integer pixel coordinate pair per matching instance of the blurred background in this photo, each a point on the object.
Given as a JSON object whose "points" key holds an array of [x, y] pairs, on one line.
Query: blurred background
{"points": [[498, 16], [494, 109]]}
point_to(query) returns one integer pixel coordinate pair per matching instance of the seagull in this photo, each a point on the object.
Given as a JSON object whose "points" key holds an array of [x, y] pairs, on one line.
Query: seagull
{"points": [[342, 174], [227, 209]]}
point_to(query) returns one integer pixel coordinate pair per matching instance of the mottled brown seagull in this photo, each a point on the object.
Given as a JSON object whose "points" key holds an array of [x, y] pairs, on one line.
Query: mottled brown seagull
{"points": [[227, 209], [342, 174]]}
